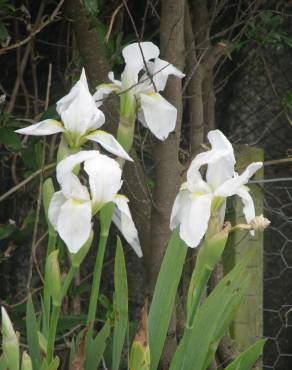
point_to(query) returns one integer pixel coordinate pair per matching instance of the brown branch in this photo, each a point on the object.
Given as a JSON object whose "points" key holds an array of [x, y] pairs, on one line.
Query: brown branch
{"points": [[42, 25]]}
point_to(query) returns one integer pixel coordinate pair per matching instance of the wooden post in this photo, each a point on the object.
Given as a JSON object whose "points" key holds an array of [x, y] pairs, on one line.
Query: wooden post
{"points": [[248, 324]]}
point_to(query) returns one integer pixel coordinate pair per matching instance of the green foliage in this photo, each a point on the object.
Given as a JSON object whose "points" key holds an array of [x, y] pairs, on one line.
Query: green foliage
{"points": [[32, 334], [96, 347], [266, 29], [199, 343], [120, 306], [92, 9], [164, 295], [6, 8], [247, 359]]}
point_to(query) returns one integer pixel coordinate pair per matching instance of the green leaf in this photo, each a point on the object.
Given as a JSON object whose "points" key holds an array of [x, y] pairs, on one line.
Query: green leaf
{"points": [[6, 230], [92, 7], [54, 365], [10, 139], [120, 306], [3, 365], [32, 334], [164, 296], [95, 347], [247, 359], [200, 341], [4, 35]]}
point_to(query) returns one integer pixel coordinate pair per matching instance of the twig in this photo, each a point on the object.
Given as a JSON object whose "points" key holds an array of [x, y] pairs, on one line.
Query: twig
{"points": [[113, 17], [43, 24], [24, 182]]}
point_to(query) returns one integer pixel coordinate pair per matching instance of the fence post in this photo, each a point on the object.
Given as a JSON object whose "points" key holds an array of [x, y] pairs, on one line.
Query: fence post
{"points": [[248, 324]]}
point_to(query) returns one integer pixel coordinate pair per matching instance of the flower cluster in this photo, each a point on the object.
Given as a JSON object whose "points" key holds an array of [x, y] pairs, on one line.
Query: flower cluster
{"points": [[199, 199], [73, 206]]}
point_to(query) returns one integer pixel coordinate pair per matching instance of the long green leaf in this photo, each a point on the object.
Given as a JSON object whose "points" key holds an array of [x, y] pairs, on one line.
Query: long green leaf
{"points": [[32, 334], [121, 306], [201, 340], [247, 359], [164, 296], [96, 347], [3, 365]]}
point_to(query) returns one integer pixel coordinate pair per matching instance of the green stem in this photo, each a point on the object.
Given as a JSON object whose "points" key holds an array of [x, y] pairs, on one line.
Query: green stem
{"points": [[96, 277], [47, 301], [105, 222], [68, 280], [55, 315], [52, 334]]}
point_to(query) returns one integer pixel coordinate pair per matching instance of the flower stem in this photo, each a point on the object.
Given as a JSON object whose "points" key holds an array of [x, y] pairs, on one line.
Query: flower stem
{"points": [[55, 315], [105, 222], [52, 334]]}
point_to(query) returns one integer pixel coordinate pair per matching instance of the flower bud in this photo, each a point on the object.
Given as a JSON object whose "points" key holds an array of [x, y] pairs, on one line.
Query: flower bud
{"points": [[54, 278], [26, 363], [10, 344]]}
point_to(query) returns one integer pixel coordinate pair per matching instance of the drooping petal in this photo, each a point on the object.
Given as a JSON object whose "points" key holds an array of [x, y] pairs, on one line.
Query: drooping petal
{"points": [[157, 114], [78, 110], [160, 70], [74, 224], [108, 142], [104, 178], [56, 203], [248, 205], [123, 220], [230, 187], [46, 127], [195, 222], [67, 165], [180, 206]]}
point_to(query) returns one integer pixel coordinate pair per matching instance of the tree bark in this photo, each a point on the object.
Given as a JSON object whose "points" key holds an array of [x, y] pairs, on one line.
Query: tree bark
{"points": [[165, 154]]}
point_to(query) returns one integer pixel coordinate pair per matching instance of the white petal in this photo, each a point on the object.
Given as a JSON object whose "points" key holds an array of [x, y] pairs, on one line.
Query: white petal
{"points": [[104, 178], [195, 222], [230, 187], [180, 206], [108, 142], [111, 77], [135, 54], [248, 205], [46, 127], [123, 220], [220, 160], [102, 91], [56, 203], [157, 114], [67, 165], [78, 110], [219, 141], [160, 70], [74, 224], [72, 188]]}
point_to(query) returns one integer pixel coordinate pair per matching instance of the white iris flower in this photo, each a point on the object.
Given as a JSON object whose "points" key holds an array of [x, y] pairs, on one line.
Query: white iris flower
{"points": [[80, 121], [198, 199], [142, 94], [71, 209]]}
